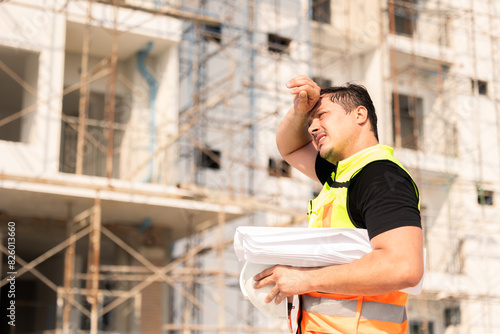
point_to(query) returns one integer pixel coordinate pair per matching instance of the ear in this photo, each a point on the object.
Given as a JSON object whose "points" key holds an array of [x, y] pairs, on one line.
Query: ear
{"points": [[361, 115]]}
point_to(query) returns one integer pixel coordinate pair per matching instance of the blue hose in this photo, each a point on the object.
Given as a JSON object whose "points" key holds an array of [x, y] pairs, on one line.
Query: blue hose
{"points": [[153, 89]]}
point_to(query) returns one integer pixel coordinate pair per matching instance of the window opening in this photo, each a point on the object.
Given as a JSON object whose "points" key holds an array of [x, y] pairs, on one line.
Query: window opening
{"points": [[213, 33], [209, 158], [279, 168], [278, 44], [14, 97], [411, 120], [484, 197], [321, 11], [405, 17]]}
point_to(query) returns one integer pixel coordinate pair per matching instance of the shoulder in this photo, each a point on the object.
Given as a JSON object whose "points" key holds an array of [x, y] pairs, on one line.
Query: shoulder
{"points": [[384, 173], [382, 181], [383, 196]]}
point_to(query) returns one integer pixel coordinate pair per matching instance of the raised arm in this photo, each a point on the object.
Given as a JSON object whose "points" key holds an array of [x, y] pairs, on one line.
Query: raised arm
{"points": [[293, 140]]}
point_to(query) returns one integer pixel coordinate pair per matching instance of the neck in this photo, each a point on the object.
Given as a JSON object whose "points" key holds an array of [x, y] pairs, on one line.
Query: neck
{"points": [[354, 147]]}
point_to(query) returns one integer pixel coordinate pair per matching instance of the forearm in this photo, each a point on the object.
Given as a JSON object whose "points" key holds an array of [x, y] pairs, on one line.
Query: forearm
{"points": [[395, 263], [371, 275], [292, 133]]}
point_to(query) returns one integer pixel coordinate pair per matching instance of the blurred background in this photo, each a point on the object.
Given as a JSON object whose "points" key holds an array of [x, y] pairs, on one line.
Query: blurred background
{"points": [[136, 135]]}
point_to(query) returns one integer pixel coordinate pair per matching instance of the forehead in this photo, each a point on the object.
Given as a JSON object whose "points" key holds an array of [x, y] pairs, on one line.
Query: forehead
{"points": [[324, 103]]}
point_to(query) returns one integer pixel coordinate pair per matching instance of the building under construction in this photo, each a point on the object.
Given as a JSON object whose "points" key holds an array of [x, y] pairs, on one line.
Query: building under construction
{"points": [[136, 135]]}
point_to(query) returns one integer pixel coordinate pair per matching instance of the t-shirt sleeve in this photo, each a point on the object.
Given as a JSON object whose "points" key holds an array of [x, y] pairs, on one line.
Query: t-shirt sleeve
{"points": [[323, 168], [383, 197]]}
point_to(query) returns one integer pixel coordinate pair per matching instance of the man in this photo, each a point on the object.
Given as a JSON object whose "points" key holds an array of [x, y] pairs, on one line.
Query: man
{"points": [[331, 136]]}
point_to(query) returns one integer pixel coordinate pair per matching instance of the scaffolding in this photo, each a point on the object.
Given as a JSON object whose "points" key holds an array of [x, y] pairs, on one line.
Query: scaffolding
{"points": [[86, 293], [231, 56]]}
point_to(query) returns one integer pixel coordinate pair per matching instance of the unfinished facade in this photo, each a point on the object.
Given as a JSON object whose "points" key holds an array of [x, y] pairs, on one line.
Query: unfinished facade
{"points": [[136, 135]]}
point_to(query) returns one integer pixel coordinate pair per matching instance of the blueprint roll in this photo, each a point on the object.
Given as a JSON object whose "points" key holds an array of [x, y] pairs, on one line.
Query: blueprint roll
{"points": [[257, 296], [304, 247]]}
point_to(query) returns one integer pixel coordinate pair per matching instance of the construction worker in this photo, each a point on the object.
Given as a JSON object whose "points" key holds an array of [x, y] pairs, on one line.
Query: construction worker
{"points": [[331, 136]]}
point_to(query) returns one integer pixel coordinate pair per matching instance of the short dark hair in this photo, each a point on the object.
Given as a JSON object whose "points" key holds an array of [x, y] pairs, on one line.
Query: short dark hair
{"points": [[350, 96]]}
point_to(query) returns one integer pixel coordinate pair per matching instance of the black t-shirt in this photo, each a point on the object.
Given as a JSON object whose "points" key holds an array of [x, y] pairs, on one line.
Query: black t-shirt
{"points": [[380, 197]]}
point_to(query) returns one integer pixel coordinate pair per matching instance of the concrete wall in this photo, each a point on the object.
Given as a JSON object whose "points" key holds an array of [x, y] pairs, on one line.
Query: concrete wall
{"points": [[42, 32]]}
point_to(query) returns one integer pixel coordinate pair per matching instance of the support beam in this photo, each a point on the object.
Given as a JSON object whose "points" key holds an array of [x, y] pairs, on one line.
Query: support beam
{"points": [[222, 276], [111, 96], [69, 272], [84, 92], [167, 11], [93, 266], [394, 74]]}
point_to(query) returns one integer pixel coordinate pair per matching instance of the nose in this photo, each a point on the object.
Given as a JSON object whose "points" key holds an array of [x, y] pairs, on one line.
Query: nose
{"points": [[313, 127]]}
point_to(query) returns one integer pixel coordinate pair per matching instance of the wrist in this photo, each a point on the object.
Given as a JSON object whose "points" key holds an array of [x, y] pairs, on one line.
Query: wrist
{"points": [[299, 113], [312, 283]]}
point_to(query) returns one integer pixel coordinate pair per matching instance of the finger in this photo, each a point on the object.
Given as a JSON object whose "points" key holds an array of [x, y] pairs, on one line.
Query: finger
{"points": [[264, 273], [261, 283], [267, 280], [312, 93], [297, 81], [279, 298], [301, 80], [306, 87], [274, 292], [303, 101]]}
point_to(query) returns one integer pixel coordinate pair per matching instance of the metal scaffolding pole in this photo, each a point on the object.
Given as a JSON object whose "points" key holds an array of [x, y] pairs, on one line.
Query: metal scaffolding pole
{"points": [[394, 74], [84, 93], [93, 265], [111, 96], [221, 218], [69, 271]]}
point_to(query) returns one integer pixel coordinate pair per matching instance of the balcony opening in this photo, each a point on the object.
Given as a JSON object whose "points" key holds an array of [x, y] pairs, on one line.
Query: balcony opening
{"points": [[279, 168], [411, 121], [321, 11], [208, 158], [18, 68], [278, 44], [95, 152]]}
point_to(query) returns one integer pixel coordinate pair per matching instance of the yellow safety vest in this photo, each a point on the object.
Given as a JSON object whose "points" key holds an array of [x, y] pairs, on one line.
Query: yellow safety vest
{"points": [[335, 313]]}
